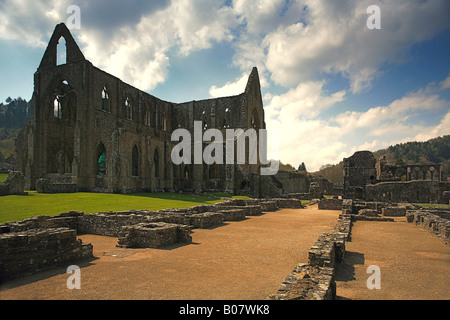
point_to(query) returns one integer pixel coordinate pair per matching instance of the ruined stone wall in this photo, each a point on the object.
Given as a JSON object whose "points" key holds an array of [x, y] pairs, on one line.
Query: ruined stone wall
{"points": [[153, 235], [29, 251], [14, 184], [411, 191], [316, 279], [359, 171], [80, 112], [293, 182], [64, 220], [330, 204], [431, 222]]}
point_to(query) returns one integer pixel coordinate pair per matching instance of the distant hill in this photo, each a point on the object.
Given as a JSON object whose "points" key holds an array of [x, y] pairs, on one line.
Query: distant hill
{"points": [[436, 150], [14, 115]]}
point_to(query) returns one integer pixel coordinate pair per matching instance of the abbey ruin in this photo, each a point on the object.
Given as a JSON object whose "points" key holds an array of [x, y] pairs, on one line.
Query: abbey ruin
{"points": [[90, 131], [366, 178]]}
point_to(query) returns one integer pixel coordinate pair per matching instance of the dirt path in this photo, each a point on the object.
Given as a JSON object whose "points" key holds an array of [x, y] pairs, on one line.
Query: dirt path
{"points": [[413, 263], [239, 260]]}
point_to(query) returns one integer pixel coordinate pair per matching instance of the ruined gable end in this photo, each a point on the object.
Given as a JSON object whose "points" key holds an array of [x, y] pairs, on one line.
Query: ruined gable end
{"points": [[72, 54], [253, 85]]}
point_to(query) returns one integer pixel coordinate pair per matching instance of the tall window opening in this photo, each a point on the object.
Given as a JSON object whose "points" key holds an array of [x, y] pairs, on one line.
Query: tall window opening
{"points": [[254, 120], [186, 173], [227, 118], [61, 52], [147, 117], [57, 108], [164, 122], [156, 161], [128, 109], [135, 162], [105, 100], [101, 160]]}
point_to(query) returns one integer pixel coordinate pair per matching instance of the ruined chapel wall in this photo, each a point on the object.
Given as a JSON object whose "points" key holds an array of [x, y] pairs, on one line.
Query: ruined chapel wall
{"points": [[411, 191]]}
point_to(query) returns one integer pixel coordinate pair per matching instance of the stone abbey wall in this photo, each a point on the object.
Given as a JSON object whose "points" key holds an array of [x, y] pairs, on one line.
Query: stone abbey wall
{"points": [[90, 131]]}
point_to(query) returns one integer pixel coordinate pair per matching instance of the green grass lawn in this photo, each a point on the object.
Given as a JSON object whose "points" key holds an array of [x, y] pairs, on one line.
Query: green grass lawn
{"points": [[226, 195], [3, 177], [16, 208]]}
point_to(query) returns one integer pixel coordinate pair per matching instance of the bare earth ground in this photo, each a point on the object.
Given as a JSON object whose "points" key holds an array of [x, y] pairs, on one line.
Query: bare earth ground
{"points": [[248, 260], [414, 264], [245, 260]]}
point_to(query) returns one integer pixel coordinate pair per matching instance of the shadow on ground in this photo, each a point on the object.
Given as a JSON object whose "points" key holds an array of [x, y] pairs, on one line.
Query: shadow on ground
{"points": [[345, 271], [44, 274]]}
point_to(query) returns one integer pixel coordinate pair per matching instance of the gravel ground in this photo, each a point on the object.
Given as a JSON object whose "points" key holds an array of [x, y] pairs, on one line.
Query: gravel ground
{"points": [[245, 260], [413, 264], [248, 260]]}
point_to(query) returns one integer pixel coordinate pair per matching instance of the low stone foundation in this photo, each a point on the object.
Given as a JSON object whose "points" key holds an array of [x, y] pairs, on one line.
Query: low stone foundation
{"points": [[393, 212], [64, 220], [153, 235], [268, 206], [56, 183], [431, 222], [315, 280], [330, 204], [107, 224], [205, 220], [33, 250], [288, 203], [368, 213], [233, 214], [307, 282]]}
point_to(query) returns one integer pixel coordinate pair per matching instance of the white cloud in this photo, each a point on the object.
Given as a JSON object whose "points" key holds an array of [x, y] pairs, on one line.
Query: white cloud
{"points": [[230, 88], [307, 136], [333, 38], [30, 22], [293, 43], [136, 51], [139, 54], [306, 100], [445, 84]]}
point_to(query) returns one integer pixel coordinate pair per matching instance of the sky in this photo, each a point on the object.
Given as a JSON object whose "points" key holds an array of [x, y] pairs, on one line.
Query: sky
{"points": [[331, 85]]}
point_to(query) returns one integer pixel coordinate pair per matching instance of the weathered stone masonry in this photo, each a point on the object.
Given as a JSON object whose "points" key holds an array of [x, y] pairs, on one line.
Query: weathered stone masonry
{"points": [[90, 131]]}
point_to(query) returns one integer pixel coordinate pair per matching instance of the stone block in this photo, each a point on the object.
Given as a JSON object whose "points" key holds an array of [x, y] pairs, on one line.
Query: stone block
{"points": [[393, 212], [153, 235], [205, 220], [368, 212], [33, 250], [267, 206], [233, 214], [330, 204]]}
